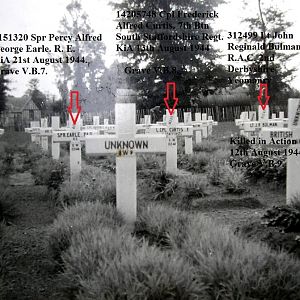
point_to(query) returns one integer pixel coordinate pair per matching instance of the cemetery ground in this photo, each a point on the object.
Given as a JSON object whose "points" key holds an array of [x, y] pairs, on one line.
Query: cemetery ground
{"points": [[198, 235]]}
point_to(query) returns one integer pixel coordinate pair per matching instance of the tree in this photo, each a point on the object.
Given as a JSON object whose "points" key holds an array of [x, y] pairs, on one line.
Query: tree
{"points": [[269, 21], [39, 98], [3, 87], [85, 73], [196, 70]]}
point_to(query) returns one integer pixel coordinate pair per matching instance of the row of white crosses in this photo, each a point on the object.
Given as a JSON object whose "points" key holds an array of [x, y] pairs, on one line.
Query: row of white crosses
{"points": [[249, 127], [202, 126], [289, 130], [125, 143]]}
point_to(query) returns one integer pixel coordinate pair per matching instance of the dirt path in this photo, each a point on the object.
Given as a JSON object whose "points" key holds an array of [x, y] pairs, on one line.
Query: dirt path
{"points": [[27, 271]]}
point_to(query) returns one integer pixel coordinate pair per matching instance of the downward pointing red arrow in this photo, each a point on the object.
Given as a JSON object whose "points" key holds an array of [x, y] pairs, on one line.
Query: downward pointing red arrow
{"points": [[263, 89], [77, 106], [171, 86]]}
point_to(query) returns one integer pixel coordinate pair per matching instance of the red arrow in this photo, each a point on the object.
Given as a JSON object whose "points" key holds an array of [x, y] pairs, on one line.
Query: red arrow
{"points": [[263, 89], [167, 98], [77, 108]]}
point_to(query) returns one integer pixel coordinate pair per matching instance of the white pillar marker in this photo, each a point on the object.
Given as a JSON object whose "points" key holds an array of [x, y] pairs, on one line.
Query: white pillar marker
{"points": [[44, 138], [188, 140], [1, 131], [55, 147], [125, 144], [75, 152], [205, 127], [198, 134]]}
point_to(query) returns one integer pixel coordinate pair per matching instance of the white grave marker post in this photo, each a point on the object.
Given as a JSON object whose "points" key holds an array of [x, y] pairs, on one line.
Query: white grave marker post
{"points": [[211, 124], [1, 131], [55, 147], [205, 127], [198, 134], [293, 161], [44, 138], [75, 150], [263, 114], [188, 140], [125, 144], [74, 136], [96, 120]]}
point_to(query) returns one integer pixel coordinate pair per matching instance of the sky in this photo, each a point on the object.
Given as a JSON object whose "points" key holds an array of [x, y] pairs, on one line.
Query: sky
{"points": [[43, 17]]}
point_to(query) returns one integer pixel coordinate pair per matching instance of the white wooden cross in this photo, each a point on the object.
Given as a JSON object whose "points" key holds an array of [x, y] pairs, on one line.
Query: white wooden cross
{"points": [[125, 144], [73, 135], [172, 129], [34, 130]]}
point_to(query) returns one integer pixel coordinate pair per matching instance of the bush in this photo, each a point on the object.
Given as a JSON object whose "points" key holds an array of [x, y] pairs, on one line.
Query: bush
{"points": [[94, 185], [206, 146], [195, 162], [286, 217], [149, 162], [156, 222], [190, 187], [164, 186], [47, 171], [76, 219], [271, 169], [234, 180]]}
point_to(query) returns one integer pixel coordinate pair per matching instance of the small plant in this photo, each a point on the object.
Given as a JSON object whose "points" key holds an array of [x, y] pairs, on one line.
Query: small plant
{"points": [[286, 217], [193, 187], [47, 171], [195, 162], [234, 180], [164, 186], [215, 171], [206, 146]]}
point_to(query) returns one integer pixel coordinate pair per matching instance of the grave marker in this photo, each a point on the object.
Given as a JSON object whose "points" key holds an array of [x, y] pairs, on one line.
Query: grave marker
{"points": [[125, 144], [293, 161], [188, 140]]}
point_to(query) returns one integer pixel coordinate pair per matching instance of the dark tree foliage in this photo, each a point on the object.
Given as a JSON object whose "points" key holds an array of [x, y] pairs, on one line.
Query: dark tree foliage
{"points": [[3, 87], [270, 20], [196, 71], [39, 98]]}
